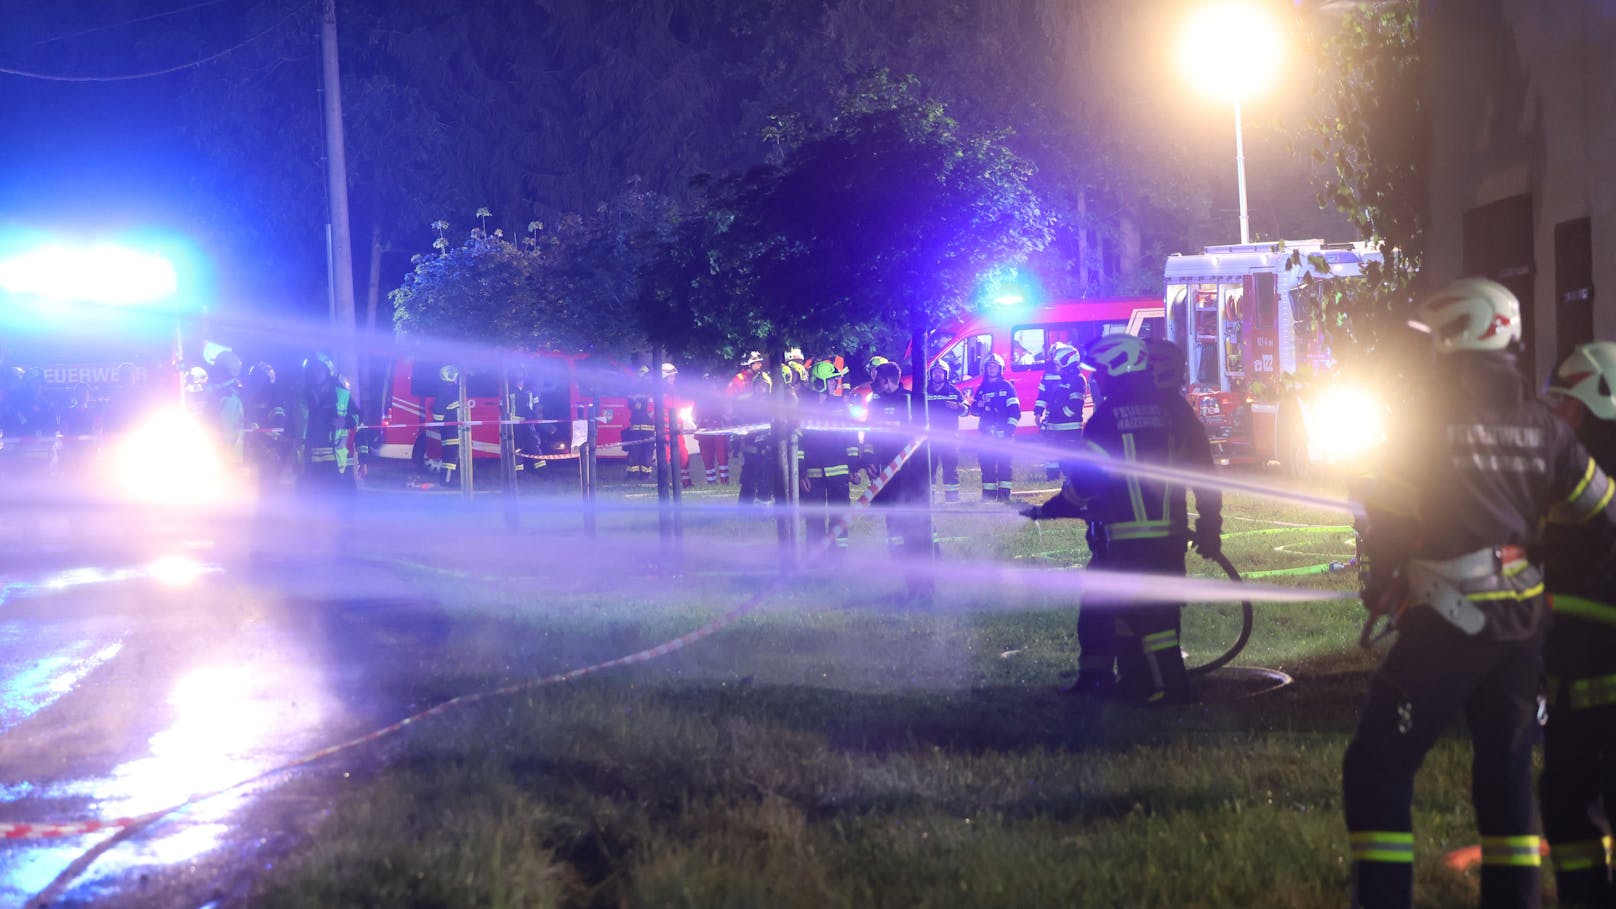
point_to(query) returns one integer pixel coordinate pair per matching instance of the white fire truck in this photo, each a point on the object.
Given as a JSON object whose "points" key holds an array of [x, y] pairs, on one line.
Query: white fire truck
{"points": [[1244, 317]]}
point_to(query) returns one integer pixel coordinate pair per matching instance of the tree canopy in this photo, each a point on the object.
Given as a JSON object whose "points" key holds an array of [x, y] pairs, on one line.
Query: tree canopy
{"points": [[1371, 134], [885, 217]]}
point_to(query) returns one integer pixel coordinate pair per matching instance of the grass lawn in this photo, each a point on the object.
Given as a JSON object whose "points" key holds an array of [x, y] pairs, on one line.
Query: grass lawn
{"points": [[840, 747]]}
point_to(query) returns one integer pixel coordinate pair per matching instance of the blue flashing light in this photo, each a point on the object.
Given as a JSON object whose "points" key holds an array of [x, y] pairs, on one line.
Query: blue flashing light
{"points": [[1005, 289], [103, 273]]}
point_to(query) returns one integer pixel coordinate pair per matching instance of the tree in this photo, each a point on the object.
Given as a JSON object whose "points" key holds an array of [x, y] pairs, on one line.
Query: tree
{"points": [[569, 289], [1372, 135], [881, 222]]}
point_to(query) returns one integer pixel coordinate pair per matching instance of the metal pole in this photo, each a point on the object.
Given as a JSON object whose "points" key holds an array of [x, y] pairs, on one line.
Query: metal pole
{"points": [[1240, 173], [587, 467], [336, 177], [507, 448], [920, 415], [463, 457]]}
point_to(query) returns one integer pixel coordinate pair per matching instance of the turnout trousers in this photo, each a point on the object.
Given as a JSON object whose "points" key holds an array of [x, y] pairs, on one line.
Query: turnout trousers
{"points": [[828, 499], [637, 446], [947, 458], [1138, 641], [994, 456], [1579, 769], [1433, 674]]}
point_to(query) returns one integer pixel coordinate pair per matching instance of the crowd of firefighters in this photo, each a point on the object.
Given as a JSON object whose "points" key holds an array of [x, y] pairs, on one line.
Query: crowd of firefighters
{"points": [[307, 436], [1489, 541]]}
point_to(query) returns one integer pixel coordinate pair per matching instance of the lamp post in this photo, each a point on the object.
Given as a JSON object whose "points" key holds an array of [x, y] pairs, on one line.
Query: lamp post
{"points": [[1230, 51]]}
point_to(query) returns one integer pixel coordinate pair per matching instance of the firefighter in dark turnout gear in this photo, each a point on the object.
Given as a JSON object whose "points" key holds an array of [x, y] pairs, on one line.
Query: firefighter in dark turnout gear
{"points": [[890, 435], [1062, 420], [446, 410], [999, 411], [1135, 524], [944, 405], [1460, 493], [524, 407], [330, 461], [637, 437], [828, 449], [1062, 380], [1577, 791], [752, 389]]}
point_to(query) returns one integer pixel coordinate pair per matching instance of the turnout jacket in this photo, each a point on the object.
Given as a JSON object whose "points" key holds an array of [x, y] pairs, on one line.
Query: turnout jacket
{"points": [[1063, 403], [1579, 564], [944, 406], [829, 446], [997, 406], [1477, 466], [1141, 425]]}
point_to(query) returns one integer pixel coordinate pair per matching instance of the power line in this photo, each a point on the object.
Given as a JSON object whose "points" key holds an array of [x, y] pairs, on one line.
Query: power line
{"points": [[127, 77], [104, 28]]}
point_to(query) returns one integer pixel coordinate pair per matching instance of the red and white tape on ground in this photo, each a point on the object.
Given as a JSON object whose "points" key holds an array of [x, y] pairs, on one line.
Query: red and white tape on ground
{"points": [[32, 831]]}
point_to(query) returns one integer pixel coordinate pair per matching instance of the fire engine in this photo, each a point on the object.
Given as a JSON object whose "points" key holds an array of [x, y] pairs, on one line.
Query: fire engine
{"points": [[1023, 336], [1241, 312], [562, 382]]}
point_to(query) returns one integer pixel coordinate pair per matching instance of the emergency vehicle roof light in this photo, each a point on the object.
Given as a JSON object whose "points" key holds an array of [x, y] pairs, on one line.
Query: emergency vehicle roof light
{"points": [[102, 273]]}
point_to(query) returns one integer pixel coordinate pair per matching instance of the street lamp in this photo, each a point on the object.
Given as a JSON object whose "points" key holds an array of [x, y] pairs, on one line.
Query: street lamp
{"points": [[1230, 51]]}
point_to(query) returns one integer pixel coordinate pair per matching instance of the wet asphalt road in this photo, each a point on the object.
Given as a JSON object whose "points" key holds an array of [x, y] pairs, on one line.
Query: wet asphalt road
{"points": [[148, 658]]}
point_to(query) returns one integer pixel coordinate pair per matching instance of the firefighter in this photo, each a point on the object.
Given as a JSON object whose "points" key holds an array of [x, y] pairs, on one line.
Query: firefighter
{"points": [[228, 412], [751, 389], [446, 413], [1062, 424], [523, 406], [828, 450], [265, 417], [1053, 388], [673, 409], [999, 411], [1478, 464], [944, 404], [1135, 524], [637, 437], [713, 413], [890, 435], [328, 423], [1578, 786]]}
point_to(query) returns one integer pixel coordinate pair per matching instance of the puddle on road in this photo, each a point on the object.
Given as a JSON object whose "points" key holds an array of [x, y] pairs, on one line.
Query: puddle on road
{"points": [[39, 685]]}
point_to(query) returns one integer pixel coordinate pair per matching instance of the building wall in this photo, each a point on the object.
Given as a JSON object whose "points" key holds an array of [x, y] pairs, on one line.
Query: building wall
{"points": [[1521, 96]]}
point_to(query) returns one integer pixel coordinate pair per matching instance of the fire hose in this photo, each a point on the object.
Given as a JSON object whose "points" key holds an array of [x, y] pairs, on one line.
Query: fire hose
{"points": [[1222, 660]]}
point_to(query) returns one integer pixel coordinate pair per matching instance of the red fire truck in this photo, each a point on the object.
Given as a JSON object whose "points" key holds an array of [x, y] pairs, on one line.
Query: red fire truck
{"points": [[566, 385], [1023, 335], [1242, 314]]}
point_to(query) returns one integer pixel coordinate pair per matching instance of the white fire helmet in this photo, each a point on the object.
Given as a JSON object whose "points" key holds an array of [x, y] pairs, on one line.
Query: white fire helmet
{"points": [[1470, 314], [669, 370], [794, 355], [1588, 374], [1064, 356], [1115, 355]]}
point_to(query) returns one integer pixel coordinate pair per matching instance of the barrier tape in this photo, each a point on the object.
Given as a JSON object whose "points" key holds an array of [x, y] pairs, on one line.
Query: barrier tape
{"points": [[30, 831], [880, 480]]}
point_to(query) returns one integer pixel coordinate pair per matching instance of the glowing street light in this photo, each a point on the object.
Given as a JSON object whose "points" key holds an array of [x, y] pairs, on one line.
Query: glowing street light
{"points": [[1230, 51]]}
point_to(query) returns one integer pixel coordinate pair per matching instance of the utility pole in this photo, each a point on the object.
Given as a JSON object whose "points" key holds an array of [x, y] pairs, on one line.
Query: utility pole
{"points": [[339, 250]]}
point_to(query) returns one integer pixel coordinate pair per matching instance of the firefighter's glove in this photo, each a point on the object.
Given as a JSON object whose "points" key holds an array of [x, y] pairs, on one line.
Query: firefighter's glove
{"points": [[1208, 540], [1034, 512]]}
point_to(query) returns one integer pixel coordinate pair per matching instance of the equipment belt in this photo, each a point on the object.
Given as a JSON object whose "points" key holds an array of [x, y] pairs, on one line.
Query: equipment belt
{"points": [[1440, 584]]}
